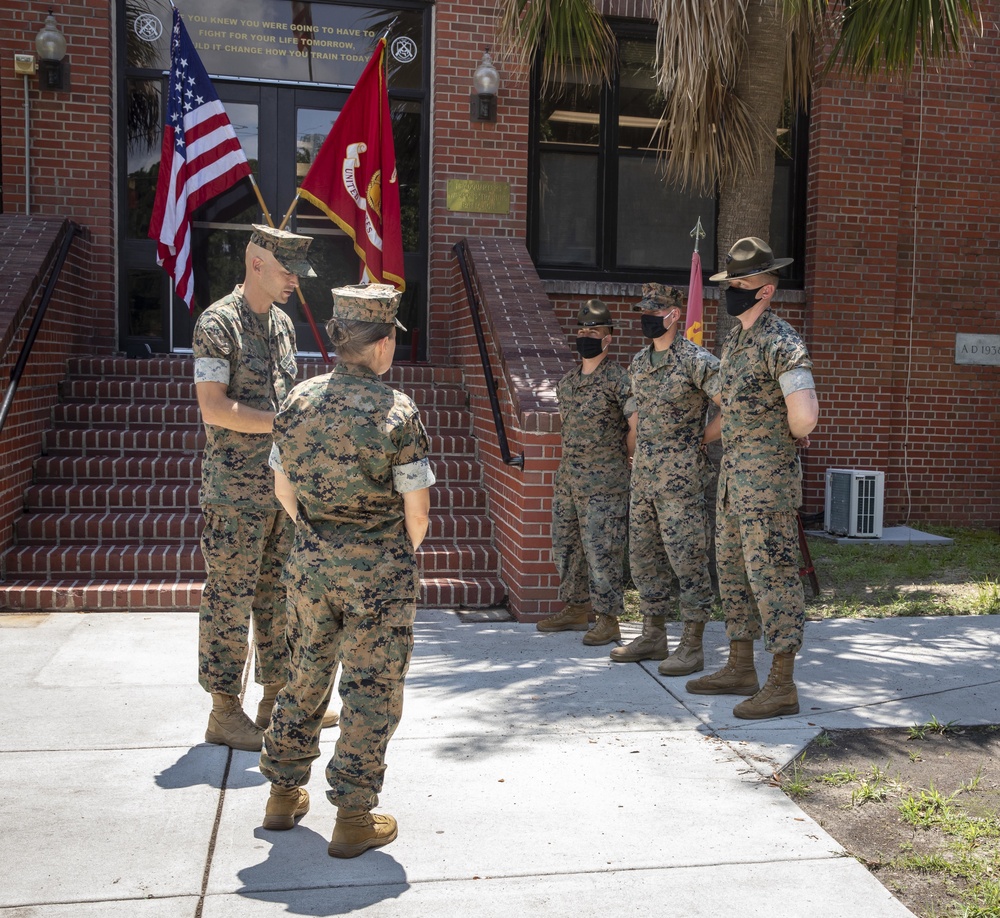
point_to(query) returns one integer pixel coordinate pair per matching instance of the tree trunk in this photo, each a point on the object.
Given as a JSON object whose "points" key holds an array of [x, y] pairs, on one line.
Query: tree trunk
{"points": [[745, 200]]}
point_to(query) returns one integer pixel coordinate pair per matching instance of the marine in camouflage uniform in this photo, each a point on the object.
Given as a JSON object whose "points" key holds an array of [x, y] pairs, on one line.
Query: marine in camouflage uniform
{"points": [[351, 449], [244, 357], [767, 390], [673, 381], [590, 494]]}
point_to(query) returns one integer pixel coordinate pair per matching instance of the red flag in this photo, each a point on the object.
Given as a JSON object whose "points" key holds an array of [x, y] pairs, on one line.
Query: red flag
{"points": [[353, 178], [200, 158], [693, 325]]}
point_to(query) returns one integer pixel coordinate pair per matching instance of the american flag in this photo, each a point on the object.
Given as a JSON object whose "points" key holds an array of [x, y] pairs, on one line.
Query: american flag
{"points": [[199, 159]]}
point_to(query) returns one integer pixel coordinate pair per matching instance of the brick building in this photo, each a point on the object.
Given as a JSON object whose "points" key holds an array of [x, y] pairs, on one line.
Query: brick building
{"points": [[886, 196]]}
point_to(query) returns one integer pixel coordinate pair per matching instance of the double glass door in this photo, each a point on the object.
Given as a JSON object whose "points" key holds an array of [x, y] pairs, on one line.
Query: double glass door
{"points": [[281, 129]]}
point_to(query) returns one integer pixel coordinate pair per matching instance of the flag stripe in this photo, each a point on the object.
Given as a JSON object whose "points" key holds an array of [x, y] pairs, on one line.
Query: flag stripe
{"points": [[200, 158]]}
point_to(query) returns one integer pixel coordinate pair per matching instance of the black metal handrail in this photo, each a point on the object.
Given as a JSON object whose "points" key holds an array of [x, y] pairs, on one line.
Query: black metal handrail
{"points": [[29, 341], [491, 386]]}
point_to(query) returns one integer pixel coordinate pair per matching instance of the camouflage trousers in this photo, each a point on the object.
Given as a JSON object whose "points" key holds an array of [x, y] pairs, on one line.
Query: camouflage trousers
{"points": [[589, 532], [373, 643], [245, 551], [668, 534], [757, 556]]}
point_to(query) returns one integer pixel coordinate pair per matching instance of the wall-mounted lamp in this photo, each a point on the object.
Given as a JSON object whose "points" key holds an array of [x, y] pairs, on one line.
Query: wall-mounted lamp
{"points": [[485, 83], [53, 69]]}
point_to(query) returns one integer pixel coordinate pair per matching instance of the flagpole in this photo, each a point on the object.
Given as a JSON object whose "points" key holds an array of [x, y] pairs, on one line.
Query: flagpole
{"points": [[288, 213], [298, 290]]}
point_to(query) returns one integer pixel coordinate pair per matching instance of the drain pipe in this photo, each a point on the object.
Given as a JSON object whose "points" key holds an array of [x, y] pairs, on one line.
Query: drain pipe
{"points": [[27, 150]]}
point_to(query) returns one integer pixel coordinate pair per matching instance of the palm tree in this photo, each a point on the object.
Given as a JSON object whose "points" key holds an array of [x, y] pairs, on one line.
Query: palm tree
{"points": [[727, 68]]}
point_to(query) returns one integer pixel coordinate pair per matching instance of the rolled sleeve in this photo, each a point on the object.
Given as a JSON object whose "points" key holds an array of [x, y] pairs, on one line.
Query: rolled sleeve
{"points": [[274, 460], [796, 380], [412, 476], [211, 369]]}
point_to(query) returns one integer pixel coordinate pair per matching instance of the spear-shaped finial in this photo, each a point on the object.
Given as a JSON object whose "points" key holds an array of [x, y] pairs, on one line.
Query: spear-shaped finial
{"points": [[698, 233]]}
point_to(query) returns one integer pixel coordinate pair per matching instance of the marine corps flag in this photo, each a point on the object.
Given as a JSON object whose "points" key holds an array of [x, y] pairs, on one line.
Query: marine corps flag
{"points": [[353, 178], [693, 326]]}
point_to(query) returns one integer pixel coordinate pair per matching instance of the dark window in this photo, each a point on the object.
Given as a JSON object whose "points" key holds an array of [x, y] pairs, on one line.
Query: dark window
{"points": [[599, 207]]}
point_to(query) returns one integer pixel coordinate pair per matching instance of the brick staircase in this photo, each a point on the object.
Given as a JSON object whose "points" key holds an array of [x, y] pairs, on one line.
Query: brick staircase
{"points": [[112, 521]]}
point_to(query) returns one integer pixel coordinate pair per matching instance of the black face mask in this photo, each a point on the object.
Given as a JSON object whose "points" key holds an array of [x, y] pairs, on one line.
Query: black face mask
{"points": [[589, 347], [652, 326], [738, 300]]}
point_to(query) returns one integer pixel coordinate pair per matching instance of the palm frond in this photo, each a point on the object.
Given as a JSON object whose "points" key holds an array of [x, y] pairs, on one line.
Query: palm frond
{"points": [[569, 37], [888, 37]]}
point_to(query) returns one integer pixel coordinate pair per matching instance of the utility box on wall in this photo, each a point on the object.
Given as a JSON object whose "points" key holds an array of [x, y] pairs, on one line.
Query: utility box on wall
{"points": [[854, 503]]}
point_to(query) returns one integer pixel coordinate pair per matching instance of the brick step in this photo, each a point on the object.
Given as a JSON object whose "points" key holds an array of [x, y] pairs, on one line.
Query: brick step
{"points": [[141, 595], [80, 441], [117, 470], [100, 529], [28, 562], [127, 417], [441, 421], [180, 367], [166, 470], [75, 498], [115, 390]]}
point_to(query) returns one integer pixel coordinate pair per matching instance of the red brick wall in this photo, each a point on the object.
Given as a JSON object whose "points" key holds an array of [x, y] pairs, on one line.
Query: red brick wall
{"points": [[527, 355], [28, 250], [904, 251], [71, 136], [465, 150]]}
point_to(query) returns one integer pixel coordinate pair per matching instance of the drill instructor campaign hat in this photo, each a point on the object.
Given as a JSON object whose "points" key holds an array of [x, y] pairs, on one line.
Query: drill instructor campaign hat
{"points": [[593, 314], [750, 256]]}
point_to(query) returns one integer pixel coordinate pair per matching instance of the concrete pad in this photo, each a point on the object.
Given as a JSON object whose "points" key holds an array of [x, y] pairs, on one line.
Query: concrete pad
{"points": [[829, 888], [530, 804], [181, 907], [93, 826], [509, 678], [891, 535]]}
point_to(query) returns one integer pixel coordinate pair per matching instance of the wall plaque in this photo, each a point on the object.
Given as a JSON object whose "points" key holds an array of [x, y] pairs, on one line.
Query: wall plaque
{"points": [[980, 350], [478, 197]]}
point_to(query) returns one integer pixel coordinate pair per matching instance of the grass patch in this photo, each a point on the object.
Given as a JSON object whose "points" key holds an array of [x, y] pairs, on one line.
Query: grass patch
{"points": [[888, 581], [869, 580]]}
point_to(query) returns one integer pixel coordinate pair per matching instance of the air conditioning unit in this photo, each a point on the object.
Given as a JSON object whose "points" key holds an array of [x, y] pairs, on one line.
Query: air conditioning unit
{"points": [[854, 503]]}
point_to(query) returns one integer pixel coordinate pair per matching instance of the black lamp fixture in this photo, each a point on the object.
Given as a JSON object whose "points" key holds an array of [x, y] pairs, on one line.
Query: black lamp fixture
{"points": [[485, 83], [53, 68]]}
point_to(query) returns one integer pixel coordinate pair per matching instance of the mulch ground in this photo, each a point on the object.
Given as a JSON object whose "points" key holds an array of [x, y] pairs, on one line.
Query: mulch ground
{"points": [[965, 763]]}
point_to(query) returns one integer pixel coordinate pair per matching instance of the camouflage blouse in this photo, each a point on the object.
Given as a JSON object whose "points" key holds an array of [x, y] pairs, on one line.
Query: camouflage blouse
{"points": [[595, 409], [760, 466], [351, 446], [254, 356], [672, 399]]}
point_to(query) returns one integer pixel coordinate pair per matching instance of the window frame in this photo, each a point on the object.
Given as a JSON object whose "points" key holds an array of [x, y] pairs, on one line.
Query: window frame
{"points": [[608, 268]]}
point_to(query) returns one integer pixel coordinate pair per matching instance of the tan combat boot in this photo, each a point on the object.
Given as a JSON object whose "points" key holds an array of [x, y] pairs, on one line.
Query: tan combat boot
{"points": [[778, 696], [737, 677], [357, 830], [575, 616], [284, 806], [604, 631], [266, 705], [689, 657], [650, 645], [229, 726]]}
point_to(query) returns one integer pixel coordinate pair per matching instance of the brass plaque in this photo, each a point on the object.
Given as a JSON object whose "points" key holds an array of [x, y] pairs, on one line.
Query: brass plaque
{"points": [[478, 197]]}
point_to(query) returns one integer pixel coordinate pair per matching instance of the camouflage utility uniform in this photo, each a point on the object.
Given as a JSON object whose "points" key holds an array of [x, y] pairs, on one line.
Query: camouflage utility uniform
{"points": [[668, 525], [350, 446], [760, 486], [247, 535], [590, 497]]}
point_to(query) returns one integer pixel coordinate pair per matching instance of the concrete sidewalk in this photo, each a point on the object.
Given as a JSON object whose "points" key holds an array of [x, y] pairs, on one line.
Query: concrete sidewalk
{"points": [[530, 776]]}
